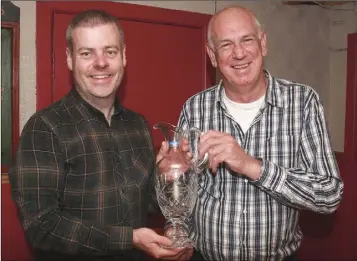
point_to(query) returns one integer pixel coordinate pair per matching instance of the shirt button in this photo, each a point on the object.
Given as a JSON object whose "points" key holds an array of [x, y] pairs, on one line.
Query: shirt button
{"points": [[246, 181], [244, 211], [122, 190]]}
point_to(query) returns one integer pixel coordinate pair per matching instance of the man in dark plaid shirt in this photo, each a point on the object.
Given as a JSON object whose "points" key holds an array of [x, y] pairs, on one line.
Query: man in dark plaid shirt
{"points": [[268, 146], [82, 179]]}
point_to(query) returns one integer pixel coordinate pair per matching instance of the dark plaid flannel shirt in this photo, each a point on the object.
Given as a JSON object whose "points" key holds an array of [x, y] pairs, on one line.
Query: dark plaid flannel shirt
{"points": [[80, 185]]}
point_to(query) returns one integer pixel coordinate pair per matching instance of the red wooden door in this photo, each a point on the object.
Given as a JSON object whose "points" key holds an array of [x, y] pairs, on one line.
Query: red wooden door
{"points": [[166, 56], [167, 63], [347, 243], [333, 237], [350, 149]]}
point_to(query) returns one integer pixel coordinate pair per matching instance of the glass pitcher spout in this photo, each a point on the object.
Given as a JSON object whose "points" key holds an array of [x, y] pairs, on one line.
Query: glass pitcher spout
{"points": [[165, 129], [171, 133]]}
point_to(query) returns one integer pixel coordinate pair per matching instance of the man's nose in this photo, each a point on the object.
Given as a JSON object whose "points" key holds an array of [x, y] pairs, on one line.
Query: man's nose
{"points": [[101, 61], [239, 51]]}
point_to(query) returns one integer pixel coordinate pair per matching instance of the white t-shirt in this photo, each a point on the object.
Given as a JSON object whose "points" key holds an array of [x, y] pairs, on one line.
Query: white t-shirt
{"points": [[243, 113]]}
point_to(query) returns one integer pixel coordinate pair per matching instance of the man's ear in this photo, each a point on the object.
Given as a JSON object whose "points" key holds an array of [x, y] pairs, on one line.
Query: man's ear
{"points": [[124, 55], [212, 56], [263, 43], [69, 59]]}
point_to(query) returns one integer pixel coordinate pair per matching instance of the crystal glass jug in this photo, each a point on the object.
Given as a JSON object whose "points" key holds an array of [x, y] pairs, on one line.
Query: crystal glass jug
{"points": [[176, 181]]}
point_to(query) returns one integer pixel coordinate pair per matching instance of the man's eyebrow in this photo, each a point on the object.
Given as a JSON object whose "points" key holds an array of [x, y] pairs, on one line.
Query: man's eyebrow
{"points": [[249, 35], [91, 49], [85, 49], [223, 40], [111, 46]]}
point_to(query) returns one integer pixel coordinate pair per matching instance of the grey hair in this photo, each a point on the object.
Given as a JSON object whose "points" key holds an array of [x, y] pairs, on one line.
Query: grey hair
{"points": [[92, 18], [209, 27]]}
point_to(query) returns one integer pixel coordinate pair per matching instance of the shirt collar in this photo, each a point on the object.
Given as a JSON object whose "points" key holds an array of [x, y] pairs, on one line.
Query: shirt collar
{"points": [[74, 93], [273, 93], [272, 96]]}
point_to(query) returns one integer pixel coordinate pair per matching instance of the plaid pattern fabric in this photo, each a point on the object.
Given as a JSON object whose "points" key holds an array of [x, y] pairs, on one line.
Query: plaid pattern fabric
{"points": [[239, 219], [80, 185]]}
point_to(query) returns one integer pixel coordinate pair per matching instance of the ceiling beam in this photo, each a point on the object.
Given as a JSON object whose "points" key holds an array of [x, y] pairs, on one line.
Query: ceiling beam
{"points": [[325, 3]]}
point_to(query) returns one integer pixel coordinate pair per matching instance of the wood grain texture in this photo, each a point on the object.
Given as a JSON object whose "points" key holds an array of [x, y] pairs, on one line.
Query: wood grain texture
{"points": [[325, 3]]}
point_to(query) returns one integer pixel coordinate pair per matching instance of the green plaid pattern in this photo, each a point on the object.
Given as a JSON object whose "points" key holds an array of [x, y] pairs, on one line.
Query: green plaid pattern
{"points": [[80, 185]]}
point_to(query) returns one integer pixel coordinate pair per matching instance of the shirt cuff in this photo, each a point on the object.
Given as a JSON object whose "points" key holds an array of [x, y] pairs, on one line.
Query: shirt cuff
{"points": [[272, 177], [121, 238]]}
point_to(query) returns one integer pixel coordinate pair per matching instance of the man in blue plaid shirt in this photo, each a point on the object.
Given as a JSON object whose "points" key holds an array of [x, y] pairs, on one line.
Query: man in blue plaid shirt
{"points": [[269, 150]]}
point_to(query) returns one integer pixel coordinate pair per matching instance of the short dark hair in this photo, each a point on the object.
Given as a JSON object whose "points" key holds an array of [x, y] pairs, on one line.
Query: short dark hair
{"points": [[92, 18]]}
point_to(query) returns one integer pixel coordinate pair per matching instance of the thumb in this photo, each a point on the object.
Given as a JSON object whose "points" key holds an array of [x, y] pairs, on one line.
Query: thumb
{"points": [[164, 147], [163, 151]]}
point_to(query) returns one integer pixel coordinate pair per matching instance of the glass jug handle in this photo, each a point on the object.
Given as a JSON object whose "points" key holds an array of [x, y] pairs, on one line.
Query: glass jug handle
{"points": [[199, 165]]}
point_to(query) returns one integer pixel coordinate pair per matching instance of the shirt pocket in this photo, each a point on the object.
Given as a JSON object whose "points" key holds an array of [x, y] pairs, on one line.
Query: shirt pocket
{"points": [[283, 150], [143, 160], [206, 193], [137, 165]]}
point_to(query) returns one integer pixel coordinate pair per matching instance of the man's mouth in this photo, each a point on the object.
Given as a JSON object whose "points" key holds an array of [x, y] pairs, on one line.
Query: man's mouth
{"points": [[99, 77], [241, 66]]}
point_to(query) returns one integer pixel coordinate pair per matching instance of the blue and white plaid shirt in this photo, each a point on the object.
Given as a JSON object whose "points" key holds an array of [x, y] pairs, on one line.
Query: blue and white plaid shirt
{"points": [[239, 219]]}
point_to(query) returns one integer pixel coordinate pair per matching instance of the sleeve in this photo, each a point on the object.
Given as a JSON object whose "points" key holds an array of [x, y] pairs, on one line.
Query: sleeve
{"points": [[184, 117], [37, 180], [315, 184]]}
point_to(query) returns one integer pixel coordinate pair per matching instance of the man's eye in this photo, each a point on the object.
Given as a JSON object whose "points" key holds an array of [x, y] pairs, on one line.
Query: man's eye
{"points": [[85, 54], [225, 45], [111, 53], [248, 40]]}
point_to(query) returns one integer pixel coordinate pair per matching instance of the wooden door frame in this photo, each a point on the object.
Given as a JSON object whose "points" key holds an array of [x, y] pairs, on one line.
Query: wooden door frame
{"points": [[44, 29], [350, 146], [15, 115]]}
